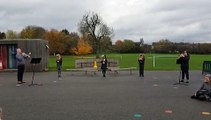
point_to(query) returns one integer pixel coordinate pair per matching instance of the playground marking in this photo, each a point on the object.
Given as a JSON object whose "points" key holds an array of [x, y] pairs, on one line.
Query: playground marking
{"points": [[169, 111], [155, 85], [175, 87], [137, 115], [54, 81], [205, 113]]}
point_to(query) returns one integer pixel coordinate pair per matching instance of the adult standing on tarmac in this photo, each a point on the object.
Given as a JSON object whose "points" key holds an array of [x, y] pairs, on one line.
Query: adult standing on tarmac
{"points": [[20, 57], [184, 61]]}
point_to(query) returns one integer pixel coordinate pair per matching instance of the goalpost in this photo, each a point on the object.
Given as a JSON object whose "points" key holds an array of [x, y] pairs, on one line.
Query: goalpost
{"points": [[154, 58]]}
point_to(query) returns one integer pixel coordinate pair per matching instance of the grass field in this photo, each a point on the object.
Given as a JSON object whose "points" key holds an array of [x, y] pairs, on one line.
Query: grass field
{"points": [[162, 61]]}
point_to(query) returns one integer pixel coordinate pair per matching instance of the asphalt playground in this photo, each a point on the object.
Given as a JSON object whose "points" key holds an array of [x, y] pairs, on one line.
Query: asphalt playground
{"points": [[91, 97]]}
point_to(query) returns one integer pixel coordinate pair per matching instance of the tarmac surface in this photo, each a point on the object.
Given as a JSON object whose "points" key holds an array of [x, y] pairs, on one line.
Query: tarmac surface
{"points": [[91, 97]]}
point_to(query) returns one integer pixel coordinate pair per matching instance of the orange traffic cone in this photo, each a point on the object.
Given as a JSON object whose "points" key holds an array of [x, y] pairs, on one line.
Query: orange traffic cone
{"points": [[95, 65]]}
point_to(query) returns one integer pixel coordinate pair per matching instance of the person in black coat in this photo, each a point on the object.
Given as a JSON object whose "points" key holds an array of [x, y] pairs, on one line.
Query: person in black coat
{"points": [[59, 64], [184, 65], [141, 61], [104, 65]]}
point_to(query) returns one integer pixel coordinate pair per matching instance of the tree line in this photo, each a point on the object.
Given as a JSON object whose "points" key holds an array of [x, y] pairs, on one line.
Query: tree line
{"points": [[94, 37]]}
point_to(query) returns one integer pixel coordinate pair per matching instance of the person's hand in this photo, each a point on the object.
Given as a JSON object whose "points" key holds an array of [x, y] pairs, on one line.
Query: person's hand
{"points": [[182, 55]]}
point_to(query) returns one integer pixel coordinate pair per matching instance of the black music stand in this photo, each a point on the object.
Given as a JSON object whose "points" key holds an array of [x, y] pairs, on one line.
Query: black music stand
{"points": [[179, 82], [33, 62]]}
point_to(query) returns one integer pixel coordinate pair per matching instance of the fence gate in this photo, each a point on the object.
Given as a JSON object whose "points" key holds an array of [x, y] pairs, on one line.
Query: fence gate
{"points": [[206, 67]]}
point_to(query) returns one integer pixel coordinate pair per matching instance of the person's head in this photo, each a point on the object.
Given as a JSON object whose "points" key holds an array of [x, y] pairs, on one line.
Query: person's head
{"points": [[58, 56], [141, 55], [185, 53], [18, 50], [207, 78]]}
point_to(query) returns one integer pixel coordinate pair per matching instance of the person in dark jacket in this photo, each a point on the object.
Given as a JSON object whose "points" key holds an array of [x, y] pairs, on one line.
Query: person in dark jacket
{"points": [[184, 65], [104, 65], [59, 64], [20, 57], [204, 92], [141, 61]]}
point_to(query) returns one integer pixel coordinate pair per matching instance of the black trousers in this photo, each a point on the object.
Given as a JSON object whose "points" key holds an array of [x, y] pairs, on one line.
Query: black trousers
{"points": [[185, 72], [141, 70], [104, 72], [21, 69], [202, 94]]}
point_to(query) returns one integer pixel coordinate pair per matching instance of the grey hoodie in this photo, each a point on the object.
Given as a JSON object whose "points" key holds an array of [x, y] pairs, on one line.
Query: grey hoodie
{"points": [[20, 59], [206, 86]]}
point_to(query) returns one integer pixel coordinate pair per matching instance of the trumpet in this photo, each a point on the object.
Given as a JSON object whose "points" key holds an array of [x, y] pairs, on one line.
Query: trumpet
{"points": [[26, 55]]}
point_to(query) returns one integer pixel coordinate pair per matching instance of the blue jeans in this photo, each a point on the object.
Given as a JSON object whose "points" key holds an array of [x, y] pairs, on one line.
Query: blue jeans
{"points": [[59, 69]]}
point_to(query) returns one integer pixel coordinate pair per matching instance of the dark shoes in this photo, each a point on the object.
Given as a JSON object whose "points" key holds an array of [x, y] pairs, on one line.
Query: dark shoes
{"points": [[59, 75], [141, 75], [201, 98], [193, 97], [183, 81]]}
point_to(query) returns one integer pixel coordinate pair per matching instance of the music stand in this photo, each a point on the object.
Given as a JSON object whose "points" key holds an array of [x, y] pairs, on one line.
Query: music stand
{"points": [[33, 62], [180, 83]]}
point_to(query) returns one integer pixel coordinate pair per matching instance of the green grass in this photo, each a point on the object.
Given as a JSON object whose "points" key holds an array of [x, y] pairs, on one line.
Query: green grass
{"points": [[163, 61]]}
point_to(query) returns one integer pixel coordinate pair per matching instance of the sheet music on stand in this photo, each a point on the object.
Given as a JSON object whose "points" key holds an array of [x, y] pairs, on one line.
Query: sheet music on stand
{"points": [[34, 62]]}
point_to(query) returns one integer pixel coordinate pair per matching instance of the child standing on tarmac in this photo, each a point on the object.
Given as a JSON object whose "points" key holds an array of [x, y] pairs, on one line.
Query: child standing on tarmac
{"points": [[59, 64]]}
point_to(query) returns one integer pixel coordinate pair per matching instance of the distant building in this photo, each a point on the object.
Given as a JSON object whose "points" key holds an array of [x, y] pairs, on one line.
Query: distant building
{"points": [[38, 48]]}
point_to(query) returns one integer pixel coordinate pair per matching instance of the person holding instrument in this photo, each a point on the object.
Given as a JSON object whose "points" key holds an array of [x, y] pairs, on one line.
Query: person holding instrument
{"points": [[141, 61], [104, 65], [20, 57], [59, 64], [183, 60]]}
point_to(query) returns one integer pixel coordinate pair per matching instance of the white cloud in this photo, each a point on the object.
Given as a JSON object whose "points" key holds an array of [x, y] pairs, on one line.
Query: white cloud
{"points": [[153, 20]]}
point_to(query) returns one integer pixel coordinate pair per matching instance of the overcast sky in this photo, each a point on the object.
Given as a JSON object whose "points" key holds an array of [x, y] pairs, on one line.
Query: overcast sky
{"points": [[176, 20]]}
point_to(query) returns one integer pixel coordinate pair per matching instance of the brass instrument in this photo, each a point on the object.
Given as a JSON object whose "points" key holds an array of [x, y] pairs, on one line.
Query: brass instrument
{"points": [[26, 55]]}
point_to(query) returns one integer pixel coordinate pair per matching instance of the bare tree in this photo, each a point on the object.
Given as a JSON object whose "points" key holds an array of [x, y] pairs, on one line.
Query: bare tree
{"points": [[93, 26]]}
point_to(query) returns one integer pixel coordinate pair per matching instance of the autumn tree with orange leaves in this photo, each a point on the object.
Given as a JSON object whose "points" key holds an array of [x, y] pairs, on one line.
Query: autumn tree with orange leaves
{"points": [[82, 48], [57, 41]]}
